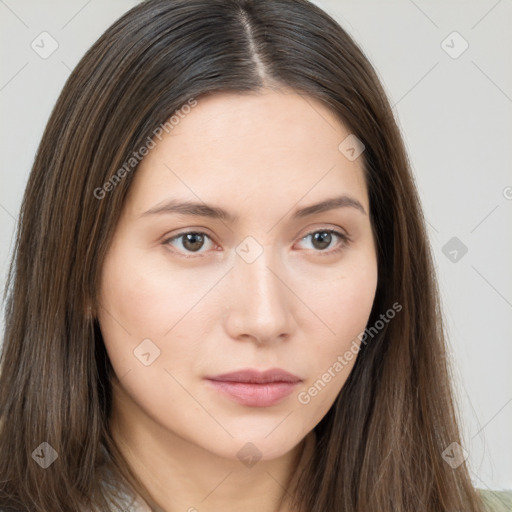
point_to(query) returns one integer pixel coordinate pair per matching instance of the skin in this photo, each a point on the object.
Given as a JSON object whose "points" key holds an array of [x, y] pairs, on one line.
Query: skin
{"points": [[297, 306]]}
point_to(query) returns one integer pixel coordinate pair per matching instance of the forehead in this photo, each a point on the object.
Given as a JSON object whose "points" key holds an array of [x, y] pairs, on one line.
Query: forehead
{"points": [[235, 146]]}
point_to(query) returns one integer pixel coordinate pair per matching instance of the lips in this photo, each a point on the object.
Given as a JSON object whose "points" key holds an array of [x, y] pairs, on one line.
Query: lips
{"points": [[255, 388]]}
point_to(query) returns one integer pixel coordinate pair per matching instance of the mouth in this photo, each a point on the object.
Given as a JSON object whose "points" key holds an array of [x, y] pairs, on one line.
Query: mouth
{"points": [[254, 388]]}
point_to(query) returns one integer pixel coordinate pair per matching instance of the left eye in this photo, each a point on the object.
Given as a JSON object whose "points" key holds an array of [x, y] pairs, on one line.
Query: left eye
{"points": [[322, 239]]}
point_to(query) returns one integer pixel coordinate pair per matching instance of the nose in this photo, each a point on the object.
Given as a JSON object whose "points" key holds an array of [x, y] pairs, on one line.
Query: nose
{"points": [[259, 304]]}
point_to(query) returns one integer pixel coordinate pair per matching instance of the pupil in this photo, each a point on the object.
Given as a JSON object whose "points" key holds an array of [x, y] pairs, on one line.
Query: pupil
{"points": [[193, 241], [324, 239]]}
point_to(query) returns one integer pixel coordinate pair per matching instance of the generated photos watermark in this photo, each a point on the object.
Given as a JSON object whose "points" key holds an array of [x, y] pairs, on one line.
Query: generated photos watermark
{"points": [[149, 144], [305, 397]]}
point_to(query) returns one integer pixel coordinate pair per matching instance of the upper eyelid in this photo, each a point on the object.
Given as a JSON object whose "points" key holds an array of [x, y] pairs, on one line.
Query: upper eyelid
{"points": [[338, 230], [341, 233]]}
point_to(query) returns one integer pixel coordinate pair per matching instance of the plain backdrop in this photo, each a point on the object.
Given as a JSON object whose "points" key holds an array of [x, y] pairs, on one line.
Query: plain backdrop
{"points": [[447, 69]]}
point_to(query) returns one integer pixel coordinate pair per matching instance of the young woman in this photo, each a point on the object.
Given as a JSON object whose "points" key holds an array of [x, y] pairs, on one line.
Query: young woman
{"points": [[222, 295]]}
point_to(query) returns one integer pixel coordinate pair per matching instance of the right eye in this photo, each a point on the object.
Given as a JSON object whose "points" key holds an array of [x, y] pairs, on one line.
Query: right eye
{"points": [[190, 241]]}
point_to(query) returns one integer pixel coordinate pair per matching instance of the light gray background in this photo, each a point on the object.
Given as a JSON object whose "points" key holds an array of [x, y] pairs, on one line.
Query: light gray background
{"points": [[456, 118]]}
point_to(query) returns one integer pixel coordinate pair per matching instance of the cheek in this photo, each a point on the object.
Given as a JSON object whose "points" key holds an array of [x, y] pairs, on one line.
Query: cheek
{"points": [[342, 299], [143, 295], [344, 305], [133, 306], [142, 298], [352, 304]]}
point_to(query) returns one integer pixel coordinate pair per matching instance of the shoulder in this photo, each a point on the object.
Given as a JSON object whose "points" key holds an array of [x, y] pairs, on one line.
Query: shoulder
{"points": [[496, 501]]}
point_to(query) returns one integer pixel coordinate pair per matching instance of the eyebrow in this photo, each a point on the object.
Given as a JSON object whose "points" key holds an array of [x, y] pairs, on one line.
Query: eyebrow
{"points": [[205, 210]]}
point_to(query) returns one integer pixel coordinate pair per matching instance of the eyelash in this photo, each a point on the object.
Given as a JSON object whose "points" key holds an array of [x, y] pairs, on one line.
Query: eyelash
{"points": [[344, 241]]}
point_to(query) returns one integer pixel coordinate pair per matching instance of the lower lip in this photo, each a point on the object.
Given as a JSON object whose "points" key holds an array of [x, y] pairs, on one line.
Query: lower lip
{"points": [[255, 395]]}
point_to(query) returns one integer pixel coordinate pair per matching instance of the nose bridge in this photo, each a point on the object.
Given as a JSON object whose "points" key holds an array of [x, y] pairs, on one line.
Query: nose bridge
{"points": [[261, 279]]}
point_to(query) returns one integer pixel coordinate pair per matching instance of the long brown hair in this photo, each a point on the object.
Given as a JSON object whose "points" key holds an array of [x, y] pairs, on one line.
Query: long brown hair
{"points": [[379, 448]]}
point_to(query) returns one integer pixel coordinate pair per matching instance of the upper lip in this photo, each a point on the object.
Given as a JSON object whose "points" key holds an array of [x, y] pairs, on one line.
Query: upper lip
{"points": [[257, 377]]}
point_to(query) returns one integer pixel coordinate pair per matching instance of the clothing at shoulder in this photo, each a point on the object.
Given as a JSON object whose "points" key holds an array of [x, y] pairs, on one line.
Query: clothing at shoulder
{"points": [[496, 501]]}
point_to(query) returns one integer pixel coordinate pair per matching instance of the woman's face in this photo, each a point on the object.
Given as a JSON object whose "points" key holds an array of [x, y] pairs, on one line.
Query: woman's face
{"points": [[247, 276]]}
